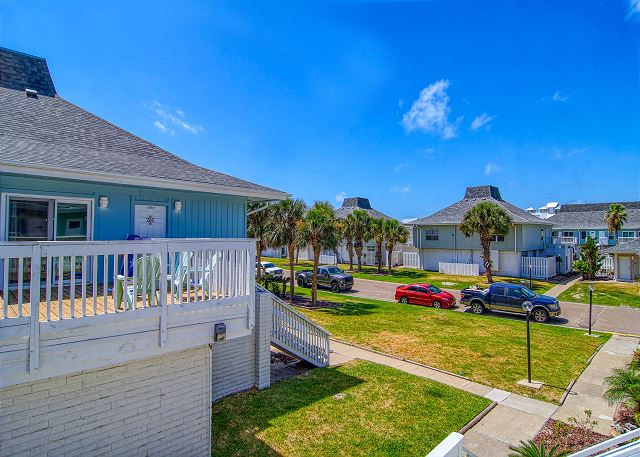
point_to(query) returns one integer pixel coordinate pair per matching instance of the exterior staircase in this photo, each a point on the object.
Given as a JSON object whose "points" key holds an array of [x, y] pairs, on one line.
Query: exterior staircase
{"points": [[296, 334]]}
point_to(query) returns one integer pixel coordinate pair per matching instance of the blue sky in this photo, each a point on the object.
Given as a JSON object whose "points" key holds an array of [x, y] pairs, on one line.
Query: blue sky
{"points": [[406, 103]]}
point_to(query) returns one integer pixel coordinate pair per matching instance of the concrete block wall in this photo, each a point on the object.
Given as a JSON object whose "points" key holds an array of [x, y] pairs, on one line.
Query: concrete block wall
{"points": [[242, 363], [155, 406]]}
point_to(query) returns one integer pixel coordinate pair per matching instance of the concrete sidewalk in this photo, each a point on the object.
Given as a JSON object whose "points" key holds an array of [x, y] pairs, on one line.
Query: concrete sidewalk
{"points": [[589, 389], [556, 290], [515, 417]]}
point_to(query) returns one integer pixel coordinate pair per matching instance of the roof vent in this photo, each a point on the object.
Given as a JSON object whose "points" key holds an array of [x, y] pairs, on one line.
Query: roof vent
{"points": [[31, 93]]}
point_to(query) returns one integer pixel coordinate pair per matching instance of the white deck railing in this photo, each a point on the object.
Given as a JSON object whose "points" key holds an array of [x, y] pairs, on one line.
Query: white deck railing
{"points": [[565, 240], [296, 333], [62, 282]]}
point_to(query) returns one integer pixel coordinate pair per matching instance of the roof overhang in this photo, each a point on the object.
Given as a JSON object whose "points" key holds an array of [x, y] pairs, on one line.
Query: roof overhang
{"points": [[139, 181]]}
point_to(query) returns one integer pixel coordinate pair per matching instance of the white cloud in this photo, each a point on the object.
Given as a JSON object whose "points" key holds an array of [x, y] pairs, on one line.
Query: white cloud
{"points": [[160, 126], [430, 112], [634, 7], [484, 120], [561, 154], [428, 152], [558, 97], [340, 196], [401, 189], [169, 120], [400, 166], [491, 168], [400, 103]]}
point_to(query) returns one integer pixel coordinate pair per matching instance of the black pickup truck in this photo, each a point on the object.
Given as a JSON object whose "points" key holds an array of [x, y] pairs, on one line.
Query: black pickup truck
{"points": [[502, 296], [328, 276]]}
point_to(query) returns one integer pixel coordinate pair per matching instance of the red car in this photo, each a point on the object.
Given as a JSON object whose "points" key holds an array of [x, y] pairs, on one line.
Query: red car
{"points": [[425, 294]]}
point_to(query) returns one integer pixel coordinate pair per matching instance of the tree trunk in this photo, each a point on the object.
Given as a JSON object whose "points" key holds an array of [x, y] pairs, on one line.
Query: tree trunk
{"points": [[485, 241], [379, 256], [292, 248], [389, 255], [350, 251], [358, 247], [314, 277], [297, 255]]}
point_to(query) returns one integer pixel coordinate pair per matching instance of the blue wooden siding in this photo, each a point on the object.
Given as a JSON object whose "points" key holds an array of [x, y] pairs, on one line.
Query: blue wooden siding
{"points": [[450, 237], [202, 215]]}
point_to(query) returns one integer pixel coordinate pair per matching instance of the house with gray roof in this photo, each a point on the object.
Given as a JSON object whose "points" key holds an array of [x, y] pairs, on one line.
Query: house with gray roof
{"points": [[438, 239], [574, 223], [626, 259], [66, 173]]}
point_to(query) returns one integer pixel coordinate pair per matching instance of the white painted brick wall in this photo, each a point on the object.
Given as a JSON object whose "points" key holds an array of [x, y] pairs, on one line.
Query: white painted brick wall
{"points": [[242, 363], [155, 406]]}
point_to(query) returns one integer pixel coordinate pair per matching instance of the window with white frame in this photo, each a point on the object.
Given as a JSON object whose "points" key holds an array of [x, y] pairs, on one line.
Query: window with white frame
{"points": [[628, 234], [497, 238]]}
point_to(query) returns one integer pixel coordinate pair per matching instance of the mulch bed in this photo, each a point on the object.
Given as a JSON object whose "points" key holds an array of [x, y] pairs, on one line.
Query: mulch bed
{"points": [[279, 357], [568, 437], [624, 420], [305, 302]]}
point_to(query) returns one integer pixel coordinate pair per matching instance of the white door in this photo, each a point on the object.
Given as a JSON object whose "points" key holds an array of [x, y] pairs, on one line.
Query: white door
{"points": [[151, 221], [624, 267]]}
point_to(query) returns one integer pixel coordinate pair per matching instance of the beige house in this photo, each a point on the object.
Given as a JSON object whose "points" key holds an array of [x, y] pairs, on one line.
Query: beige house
{"points": [[626, 260]]}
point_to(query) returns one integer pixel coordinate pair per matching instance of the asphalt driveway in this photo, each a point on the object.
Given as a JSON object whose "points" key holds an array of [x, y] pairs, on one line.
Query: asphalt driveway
{"points": [[621, 319]]}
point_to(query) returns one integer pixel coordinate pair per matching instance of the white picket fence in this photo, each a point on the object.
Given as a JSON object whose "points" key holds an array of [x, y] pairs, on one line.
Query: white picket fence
{"points": [[411, 259], [464, 269], [328, 259], [608, 266], [538, 267]]}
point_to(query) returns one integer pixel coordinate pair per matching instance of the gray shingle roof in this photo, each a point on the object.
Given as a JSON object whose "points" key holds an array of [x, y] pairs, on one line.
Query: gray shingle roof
{"points": [[51, 133], [591, 216], [349, 205], [627, 247], [454, 214]]}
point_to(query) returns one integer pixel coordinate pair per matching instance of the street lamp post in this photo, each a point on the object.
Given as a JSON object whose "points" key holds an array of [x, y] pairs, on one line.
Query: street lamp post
{"points": [[527, 306], [590, 305]]}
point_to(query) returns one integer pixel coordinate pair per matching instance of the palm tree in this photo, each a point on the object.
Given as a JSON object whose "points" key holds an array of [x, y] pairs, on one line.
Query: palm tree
{"points": [[624, 385], [285, 219], [320, 232], [395, 233], [258, 227], [531, 449], [487, 219], [360, 220], [347, 235], [376, 233], [615, 218]]}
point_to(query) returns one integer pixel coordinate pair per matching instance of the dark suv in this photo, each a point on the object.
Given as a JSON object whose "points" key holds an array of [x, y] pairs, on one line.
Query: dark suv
{"points": [[328, 276]]}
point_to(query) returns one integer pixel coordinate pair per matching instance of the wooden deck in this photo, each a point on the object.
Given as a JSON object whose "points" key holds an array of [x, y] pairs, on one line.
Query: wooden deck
{"points": [[90, 306]]}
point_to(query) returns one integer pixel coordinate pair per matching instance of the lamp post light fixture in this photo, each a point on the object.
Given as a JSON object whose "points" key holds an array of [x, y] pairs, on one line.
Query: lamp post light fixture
{"points": [[177, 205], [103, 201], [590, 305], [528, 306]]}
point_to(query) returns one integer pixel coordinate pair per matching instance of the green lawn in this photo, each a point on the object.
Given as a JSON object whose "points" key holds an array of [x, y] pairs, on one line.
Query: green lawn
{"points": [[605, 293], [410, 275], [488, 349], [357, 409]]}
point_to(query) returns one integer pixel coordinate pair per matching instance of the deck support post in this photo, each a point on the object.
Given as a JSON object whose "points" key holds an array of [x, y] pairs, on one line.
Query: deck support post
{"points": [[34, 318], [162, 288]]}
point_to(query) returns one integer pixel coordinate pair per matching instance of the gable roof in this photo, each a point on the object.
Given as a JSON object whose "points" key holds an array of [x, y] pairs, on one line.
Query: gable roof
{"points": [[628, 247], [349, 205], [454, 214], [591, 216], [46, 135]]}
